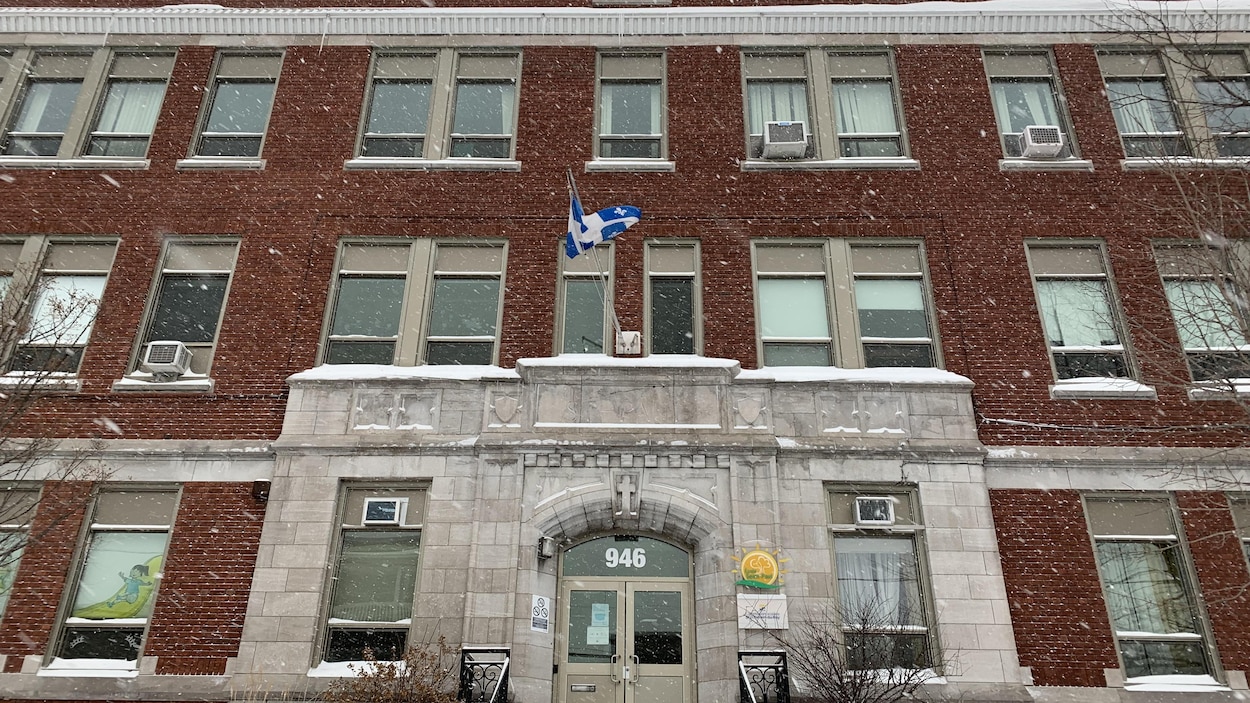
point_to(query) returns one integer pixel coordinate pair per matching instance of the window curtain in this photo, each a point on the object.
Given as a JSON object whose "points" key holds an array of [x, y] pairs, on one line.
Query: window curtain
{"points": [[864, 107], [376, 577], [1141, 107], [878, 582], [776, 101], [1144, 588], [1204, 318], [1019, 104], [131, 107], [793, 308], [630, 108], [1076, 313], [46, 106]]}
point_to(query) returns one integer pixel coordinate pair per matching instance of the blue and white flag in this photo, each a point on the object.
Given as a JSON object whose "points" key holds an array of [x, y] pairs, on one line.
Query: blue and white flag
{"points": [[585, 231]]}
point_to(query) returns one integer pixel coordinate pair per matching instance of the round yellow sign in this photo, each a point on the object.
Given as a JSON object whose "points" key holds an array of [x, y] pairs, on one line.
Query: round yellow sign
{"points": [[760, 569]]}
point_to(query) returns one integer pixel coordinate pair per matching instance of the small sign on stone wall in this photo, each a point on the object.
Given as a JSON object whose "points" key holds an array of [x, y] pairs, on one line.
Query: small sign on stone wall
{"points": [[540, 618], [760, 611]]}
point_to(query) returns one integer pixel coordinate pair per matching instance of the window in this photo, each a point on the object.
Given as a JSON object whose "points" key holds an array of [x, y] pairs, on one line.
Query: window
{"points": [[1144, 109], [584, 301], [1241, 518], [1201, 284], [631, 106], [236, 109], [1025, 92], [190, 297], [388, 293], [375, 574], [1147, 585], [1075, 300], [855, 304], [101, 103], [17, 507], [1224, 93], [882, 596], [846, 102], [117, 580], [673, 301], [55, 287], [405, 117]]}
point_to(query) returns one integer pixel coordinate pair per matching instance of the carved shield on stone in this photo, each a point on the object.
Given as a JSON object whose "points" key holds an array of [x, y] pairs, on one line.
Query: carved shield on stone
{"points": [[750, 410], [506, 408]]}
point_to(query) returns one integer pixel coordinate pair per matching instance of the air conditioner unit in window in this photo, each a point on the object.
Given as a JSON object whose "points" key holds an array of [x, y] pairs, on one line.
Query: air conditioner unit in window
{"points": [[166, 360], [384, 511], [1041, 142], [785, 140], [874, 511]]}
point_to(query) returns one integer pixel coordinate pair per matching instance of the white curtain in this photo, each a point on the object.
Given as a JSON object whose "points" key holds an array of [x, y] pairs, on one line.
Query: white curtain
{"points": [[1019, 104], [1144, 589], [864, 106], [1141, 107], [776, 101], [877, 581], [46, 106], [131, 107], [793, 308], [1076, 313]]}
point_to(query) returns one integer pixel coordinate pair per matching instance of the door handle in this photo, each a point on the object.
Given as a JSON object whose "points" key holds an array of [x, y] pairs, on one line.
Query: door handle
{"points": [[634, 677], [616, 659]]}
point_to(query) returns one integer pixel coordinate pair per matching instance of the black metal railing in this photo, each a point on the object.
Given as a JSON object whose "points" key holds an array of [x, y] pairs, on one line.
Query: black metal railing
{"points": [[484, 674], [763, 676]]}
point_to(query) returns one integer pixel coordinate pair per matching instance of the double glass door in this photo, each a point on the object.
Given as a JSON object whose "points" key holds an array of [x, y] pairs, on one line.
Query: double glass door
{"points": [[625, 641]]}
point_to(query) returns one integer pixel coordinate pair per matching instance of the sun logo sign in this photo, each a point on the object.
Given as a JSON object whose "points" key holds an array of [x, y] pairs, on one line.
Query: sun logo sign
{"points": [[760, 568]]}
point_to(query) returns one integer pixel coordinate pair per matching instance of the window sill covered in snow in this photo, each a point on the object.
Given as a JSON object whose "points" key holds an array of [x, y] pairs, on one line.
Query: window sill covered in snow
{"points": [[343, 669], [1174, 682], [40, 381], [1045, 165], [82, 162], [414, 164], [117, 668], [899, 163], [1181, 163], [1220, 390], [1102, 387], [631, 165], [147, 383], [219, 163]]}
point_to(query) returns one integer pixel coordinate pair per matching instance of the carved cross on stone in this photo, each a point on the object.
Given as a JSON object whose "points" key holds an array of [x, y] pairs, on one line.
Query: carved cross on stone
{"points": [[627, 490]]}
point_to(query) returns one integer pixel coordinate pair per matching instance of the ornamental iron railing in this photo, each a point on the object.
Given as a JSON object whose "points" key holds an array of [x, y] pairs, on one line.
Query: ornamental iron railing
{"points": [[484, 674], [764, 677]]}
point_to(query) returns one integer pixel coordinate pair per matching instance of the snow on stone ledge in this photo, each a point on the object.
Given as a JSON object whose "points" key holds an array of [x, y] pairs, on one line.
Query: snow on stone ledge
{"points": [[348, 669], [800, 374], [1102, 387], [386, 372], [655, 361], [1174, 682], [116, 668]]}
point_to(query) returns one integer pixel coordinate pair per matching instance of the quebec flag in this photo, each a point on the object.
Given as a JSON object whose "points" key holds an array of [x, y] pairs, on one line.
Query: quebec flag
{"points": [[585, 231]]}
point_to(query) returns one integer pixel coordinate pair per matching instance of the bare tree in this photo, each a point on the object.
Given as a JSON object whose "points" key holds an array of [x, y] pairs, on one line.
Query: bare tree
{"points": [[426, 673]]}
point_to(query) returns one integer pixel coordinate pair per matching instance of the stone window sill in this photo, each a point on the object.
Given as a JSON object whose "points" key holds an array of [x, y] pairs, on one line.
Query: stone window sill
{"points": [[81, 163], [1102, 389], [40, 381], [1045, 165], [1181, 163], [631, 165], [208, 163], [460, 164], [146, 383], [898, 164]]}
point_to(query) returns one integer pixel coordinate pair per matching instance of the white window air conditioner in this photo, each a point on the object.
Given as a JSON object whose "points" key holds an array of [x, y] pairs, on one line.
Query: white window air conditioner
{"points": [[874, 511], [166, 360], [384, 511], [1041, 142], [785, 140]]}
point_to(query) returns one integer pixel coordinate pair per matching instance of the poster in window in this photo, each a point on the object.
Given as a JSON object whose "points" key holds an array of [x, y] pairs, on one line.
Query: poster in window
{"points": [[119, 577]]}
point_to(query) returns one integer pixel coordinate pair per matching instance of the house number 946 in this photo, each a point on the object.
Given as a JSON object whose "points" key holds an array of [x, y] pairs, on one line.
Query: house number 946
{"points": [[629, 558]]}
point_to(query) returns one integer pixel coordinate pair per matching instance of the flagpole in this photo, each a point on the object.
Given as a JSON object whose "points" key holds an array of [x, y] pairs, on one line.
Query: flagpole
{"points": [[604, 295]]}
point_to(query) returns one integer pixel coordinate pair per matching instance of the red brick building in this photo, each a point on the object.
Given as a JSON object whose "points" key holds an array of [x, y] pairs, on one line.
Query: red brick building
{"points": [[923, 319]]}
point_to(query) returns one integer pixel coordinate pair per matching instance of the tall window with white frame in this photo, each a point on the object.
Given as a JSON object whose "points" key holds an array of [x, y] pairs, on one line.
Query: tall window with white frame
{"points": [[39, 122], [868, 123], [422, 301], [1143, 104], [673, 297], [1224, 93], [892, 306], [397, 113], [370, 599], [882, 599], [1148, 586], [484, 113], [585, 285], [792, 288], [1079, 316], [133, 91], [776, 92], [1025, 92], [236, 109], [54, 287], [465, 305], [116, 585], [190, 297], [631, 106], [1208, 306], [17, 508]]}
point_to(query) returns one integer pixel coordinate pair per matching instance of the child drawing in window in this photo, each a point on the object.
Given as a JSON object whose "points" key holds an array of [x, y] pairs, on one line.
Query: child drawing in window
{"points": [[131, 584]]}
